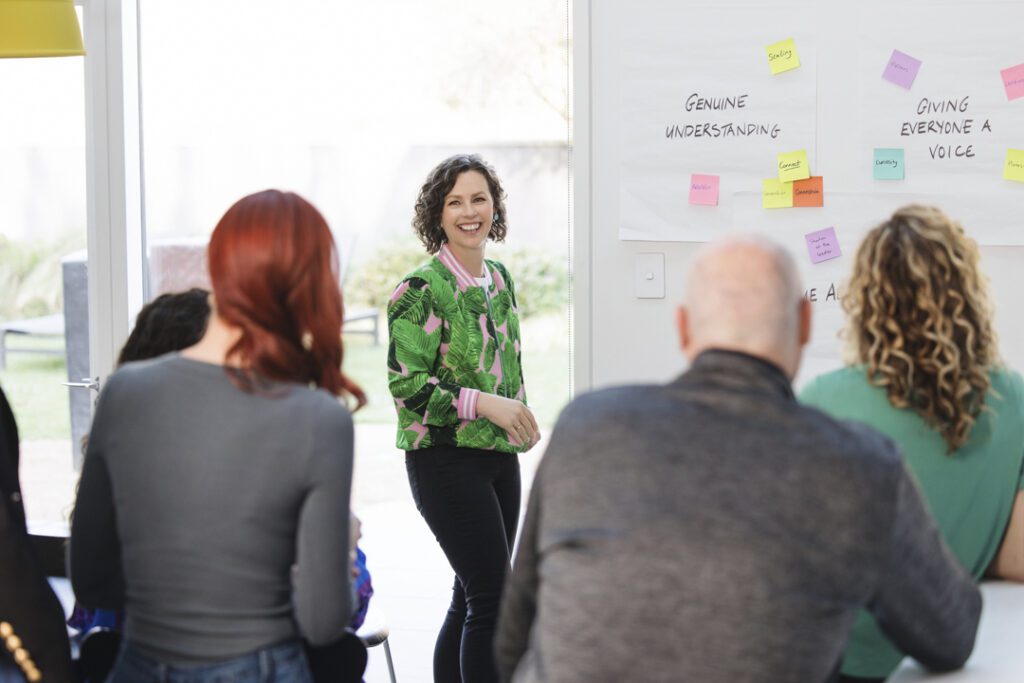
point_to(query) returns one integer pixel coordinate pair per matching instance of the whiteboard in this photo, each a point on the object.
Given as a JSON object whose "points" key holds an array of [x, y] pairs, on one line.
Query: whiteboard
{"points": [[635, 65], [680, 69]]}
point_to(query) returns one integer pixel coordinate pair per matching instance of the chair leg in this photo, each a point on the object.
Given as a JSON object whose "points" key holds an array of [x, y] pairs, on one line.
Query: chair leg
{"points": [[391, 664]]}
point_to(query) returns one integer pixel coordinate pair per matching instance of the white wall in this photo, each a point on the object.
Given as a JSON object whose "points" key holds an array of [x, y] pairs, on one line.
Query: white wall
{"points": [[620, 338]]}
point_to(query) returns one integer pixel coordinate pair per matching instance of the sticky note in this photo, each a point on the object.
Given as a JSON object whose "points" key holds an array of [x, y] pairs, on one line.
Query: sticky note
{"points": [[822, 245], [782, 56], [1013, 81], [1014, 169], [776, 194], [809, 192], [704, 189], [888, 164], [902, 69], [794, 166]]}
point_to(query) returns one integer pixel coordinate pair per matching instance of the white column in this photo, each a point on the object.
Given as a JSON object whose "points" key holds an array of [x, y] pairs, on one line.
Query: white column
{"points": [[579, 168], [113, 177]]}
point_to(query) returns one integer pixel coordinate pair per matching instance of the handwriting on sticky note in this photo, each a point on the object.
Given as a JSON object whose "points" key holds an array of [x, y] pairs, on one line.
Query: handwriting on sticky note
{"points": [[1013, 81], [1014, 169], [782, 56], [794, 166], [809, 192], [776, 194], [888, 164], [704, 189], [901, 69], [822, 245]]}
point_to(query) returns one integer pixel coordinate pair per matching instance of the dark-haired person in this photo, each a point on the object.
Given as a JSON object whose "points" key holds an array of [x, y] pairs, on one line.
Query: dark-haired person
{"points": [[29, 610], [212, 472], [170, 322], [927, 375], [454, 370]]}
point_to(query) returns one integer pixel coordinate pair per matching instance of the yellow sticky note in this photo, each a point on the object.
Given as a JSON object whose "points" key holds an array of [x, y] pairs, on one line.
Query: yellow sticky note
{"points": [[782, 56], [794, 166], [1014, 169], [776, 194]]}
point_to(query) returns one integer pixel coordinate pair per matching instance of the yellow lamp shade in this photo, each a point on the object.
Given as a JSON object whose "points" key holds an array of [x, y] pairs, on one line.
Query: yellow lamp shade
{"points": [[39, 28]]}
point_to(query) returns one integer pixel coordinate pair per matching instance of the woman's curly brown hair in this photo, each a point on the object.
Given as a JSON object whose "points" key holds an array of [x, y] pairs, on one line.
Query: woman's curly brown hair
{"points": [[920, 319], [440, 181]]}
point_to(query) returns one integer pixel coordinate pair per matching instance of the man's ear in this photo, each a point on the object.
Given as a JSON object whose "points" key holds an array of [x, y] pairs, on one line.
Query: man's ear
{"points": [[683, 324], [805, 321]]}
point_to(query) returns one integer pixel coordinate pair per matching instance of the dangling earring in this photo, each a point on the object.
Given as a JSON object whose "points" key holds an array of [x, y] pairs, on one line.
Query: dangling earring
{"points": [[497, 217], [307, 340]]}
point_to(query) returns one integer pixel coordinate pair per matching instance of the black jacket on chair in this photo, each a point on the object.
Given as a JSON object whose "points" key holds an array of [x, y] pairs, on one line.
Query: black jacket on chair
{"points": [[27, 602]]}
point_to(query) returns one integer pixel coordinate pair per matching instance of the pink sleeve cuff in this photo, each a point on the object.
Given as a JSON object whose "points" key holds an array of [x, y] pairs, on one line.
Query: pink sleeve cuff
{"points": [[466, 407]]}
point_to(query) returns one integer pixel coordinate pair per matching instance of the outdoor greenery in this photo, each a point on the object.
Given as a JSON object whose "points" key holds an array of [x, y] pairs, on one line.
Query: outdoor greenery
{"points": [[32, 382], [30, 276], [541, 277]]}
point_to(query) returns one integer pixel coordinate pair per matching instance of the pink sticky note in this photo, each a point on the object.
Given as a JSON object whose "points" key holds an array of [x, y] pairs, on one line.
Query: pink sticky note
{"points": [[1013, 81], [901, 69], [822, 245], [704, 189]]}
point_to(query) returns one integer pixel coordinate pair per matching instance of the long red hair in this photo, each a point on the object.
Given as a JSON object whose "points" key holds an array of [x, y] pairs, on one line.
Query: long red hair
{"points": [[274, 273]]}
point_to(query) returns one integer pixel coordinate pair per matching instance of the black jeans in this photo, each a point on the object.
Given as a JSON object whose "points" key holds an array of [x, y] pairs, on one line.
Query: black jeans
{"points": [[470, 500]]}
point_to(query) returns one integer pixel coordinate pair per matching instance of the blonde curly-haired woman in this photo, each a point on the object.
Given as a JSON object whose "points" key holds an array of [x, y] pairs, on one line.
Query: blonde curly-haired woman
{"points": [[926, 373]]}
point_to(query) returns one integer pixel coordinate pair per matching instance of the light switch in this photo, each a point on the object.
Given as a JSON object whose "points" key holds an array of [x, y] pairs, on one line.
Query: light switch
{"points": [[650, 276]]}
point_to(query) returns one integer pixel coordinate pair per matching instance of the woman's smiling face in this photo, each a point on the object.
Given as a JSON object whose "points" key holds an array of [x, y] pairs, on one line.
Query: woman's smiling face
{"points": [[467, 213]]}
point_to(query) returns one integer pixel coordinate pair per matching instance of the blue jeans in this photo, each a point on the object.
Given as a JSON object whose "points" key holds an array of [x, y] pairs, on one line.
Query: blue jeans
{"points": [[283, 663]]}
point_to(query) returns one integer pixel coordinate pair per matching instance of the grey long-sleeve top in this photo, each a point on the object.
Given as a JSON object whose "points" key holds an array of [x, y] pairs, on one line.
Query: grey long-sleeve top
{"points": [[197, 499], [712, 529]]}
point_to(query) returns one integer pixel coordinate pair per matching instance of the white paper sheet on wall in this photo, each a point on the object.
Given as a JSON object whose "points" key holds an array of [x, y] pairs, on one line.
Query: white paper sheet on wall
{"points": [[695, 99], [682, 81], [955, 123]]}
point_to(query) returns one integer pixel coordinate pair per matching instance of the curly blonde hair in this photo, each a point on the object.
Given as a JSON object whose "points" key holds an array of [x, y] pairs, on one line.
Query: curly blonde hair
{"points": [[919, 318]]}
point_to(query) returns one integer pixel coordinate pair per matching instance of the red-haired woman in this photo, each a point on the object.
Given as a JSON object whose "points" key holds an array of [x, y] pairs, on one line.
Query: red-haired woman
{"points": [[211, 472]]}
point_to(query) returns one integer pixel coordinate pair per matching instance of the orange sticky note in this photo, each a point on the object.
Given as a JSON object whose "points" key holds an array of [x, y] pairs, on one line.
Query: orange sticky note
{"points": [[809, 192]]}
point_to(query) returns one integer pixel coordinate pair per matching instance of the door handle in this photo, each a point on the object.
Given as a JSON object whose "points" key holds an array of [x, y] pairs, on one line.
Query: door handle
{"points": [[86, 383]]}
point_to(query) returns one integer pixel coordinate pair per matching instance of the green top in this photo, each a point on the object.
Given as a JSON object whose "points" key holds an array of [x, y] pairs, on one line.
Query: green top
{"points": [[970, 492], [453, 336]]}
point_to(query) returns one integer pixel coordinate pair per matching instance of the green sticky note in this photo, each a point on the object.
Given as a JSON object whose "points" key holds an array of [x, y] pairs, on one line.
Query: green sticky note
{"points": [[889, 164], [794, 166], [782, 56], [776, 194], [1014, 169]]}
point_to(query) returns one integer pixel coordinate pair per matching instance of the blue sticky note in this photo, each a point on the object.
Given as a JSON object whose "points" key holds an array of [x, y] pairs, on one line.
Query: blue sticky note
{"points": [[888, 164]]}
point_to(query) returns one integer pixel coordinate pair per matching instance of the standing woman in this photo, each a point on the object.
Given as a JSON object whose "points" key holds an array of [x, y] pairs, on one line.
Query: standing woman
{"points": [[454, 369], [210, 473], [926, 374]]}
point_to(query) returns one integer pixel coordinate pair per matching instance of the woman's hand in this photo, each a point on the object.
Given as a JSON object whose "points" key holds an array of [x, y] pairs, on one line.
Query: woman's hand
{"points": [[511, 415]]}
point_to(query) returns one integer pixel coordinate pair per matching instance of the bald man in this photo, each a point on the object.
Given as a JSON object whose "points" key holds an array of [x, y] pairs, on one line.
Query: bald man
{"points": [[712, 529]]}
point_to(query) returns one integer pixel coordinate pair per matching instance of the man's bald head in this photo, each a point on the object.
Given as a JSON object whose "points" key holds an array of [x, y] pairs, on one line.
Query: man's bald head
{"points": [[744, 294]]}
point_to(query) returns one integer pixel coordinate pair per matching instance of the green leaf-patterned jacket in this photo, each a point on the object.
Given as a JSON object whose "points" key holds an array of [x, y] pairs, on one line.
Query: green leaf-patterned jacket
{"points": [[450, 340]]}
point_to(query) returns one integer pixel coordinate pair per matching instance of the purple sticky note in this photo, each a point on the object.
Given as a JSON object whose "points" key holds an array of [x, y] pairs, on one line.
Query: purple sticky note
{"points": [[704, 189], [822, 245], [901, 69], [1013, 81]]}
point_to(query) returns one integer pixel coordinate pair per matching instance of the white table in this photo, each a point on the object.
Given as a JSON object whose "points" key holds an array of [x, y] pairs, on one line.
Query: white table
{"points": [[999, 651]]}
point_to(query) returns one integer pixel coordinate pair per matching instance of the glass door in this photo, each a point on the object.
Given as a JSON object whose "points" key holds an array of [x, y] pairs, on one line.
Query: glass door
{"points": [[44, 335]]}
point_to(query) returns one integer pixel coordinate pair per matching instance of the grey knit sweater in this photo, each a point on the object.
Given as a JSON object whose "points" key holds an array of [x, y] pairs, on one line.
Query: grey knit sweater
{"points": [[197, 499], [714, 530]]}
